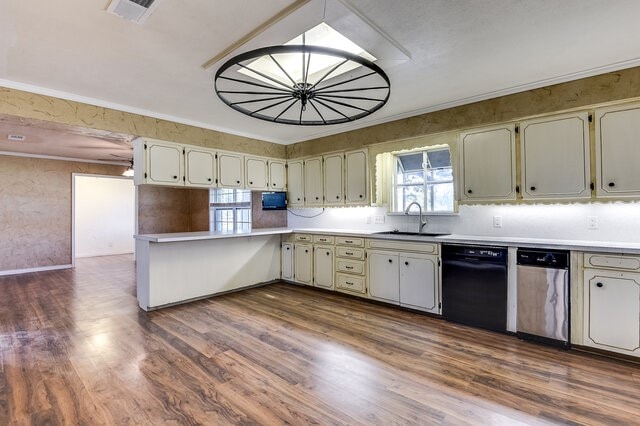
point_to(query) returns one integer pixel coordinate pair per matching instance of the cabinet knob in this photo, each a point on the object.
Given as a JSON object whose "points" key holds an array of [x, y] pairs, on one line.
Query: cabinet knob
{"points": [[273, 184], [390, 261], [287, 248], [328, 254], [298, 199], [612, 184], [306, 251], [238, 182], [316, 198], [209, 179], [337, 197], [599, 285], [360, 196], [533, 188], [175, 177], [250, 182], [469, 191], [406, 263]]}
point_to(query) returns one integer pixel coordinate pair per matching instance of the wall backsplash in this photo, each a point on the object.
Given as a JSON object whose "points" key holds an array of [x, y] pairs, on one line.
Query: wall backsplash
{"points": [[618, 221]]}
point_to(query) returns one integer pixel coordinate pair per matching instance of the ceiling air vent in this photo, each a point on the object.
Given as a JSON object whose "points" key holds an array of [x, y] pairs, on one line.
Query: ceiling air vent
{"points": [[132, 10]]}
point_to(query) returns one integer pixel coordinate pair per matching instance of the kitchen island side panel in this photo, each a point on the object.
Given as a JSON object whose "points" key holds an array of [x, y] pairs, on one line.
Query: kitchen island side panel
{"points": [[184, 270]]}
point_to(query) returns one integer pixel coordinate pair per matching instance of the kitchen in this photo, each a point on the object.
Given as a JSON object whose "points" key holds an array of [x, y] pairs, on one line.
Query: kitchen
{"points": [[586, 223]]}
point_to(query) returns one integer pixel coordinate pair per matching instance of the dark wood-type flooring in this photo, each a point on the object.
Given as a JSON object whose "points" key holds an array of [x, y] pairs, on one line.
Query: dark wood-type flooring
{"points": [[75, 349]]}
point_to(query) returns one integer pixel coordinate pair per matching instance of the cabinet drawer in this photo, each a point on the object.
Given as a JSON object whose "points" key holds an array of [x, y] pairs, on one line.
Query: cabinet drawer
{"points": [[350, 282], [431, 248], [350, 241], [323, 239], [350, 266], [303, 237], [350, 252], [623, 262]]}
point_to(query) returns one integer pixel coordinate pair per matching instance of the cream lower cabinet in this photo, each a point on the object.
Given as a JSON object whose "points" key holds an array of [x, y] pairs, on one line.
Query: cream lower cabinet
{"points": [[286, 261], [323, 269], [303, 263], [399, 276], [612, 303]]}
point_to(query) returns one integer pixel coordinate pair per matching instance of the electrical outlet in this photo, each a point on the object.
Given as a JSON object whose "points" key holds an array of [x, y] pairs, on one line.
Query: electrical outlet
{"points": [[368, 220], [378, 220], [592, 222], [497, 221]]}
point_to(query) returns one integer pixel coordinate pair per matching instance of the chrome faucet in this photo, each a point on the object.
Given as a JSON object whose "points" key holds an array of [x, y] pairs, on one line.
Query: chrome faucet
{"points": [[422, 223]]}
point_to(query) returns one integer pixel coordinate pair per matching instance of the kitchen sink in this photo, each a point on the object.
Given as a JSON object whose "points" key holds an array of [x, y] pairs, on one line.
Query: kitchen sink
{"points": [[423, 234]]}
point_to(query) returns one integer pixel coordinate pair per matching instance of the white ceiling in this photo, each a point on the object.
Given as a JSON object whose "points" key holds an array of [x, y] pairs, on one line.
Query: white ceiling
{"points": [[460, 51]]}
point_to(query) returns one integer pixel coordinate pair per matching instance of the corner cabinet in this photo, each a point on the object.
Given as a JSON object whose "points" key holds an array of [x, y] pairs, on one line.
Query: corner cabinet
{"points": [[158, 162], [277, 175], [313, 182], [488, 161], [555, 157], [617, 151], [612, 303], [356, 177], [295, 183]]}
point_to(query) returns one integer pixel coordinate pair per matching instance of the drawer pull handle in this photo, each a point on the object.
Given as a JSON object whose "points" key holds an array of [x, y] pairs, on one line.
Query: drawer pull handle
{"points": [[348, 267], [599, 285], [348, 253], [348, 283]]}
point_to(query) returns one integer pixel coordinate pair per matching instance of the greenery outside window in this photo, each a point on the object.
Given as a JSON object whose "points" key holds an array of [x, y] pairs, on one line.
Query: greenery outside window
{"points": [[229, 210], [425, 177]]}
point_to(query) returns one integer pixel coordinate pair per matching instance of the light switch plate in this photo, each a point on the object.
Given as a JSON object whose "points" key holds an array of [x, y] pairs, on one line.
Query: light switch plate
{"points": [[592, 222]]}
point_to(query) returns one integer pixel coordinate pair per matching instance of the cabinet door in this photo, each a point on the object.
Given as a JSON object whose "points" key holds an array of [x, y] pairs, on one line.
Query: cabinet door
{"points": [[295, 183], [200, 167], [384, 276], [303, 263], [419, 287], [313, 191], [286, 259], [488, 164], [333, 183], [612, 311], [323, 267], [617, 151], [356, 177], [165, 163], [231, 169], [256, 173], [555, 157], [277, 175]]}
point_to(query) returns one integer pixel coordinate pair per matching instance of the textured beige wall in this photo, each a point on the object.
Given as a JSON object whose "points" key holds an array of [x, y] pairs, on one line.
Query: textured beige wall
{"points": [[163, 209], [35, 210], [615, 86], [31, 105], [265, 219]]}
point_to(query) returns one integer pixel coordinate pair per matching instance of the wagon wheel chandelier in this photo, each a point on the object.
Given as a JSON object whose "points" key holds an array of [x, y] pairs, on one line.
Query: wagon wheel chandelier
{"points": [[302, 85]]}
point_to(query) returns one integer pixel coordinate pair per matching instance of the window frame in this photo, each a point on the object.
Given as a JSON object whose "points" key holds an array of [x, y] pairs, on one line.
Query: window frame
{"points": [[427, 186], [237, 206]]}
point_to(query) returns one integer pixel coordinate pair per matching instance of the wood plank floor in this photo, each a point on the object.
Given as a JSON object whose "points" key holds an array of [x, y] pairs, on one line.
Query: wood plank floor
{"points": [[75, 349]]}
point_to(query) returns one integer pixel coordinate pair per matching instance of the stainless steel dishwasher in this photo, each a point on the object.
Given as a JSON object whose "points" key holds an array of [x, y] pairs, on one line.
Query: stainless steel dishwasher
{"points": [[543, 296]]}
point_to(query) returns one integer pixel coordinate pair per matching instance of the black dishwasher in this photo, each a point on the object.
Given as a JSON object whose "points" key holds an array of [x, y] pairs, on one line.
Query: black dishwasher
{"points": [[474, 286]]}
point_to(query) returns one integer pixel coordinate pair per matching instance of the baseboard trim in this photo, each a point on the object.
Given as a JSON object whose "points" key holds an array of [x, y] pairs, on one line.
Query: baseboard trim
{"points": [[37, 269]]}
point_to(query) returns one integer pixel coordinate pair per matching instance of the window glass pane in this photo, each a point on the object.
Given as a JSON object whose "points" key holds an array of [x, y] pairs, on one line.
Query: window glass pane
{"points": [[408, 194], [230, 209]]}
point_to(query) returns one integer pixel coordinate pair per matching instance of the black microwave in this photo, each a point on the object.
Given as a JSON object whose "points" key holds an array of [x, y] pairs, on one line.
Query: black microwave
{"points": [[274, 200]]}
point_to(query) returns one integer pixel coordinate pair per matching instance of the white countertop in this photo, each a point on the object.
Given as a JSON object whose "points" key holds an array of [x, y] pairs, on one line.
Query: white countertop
{"points": [[580, 245]]}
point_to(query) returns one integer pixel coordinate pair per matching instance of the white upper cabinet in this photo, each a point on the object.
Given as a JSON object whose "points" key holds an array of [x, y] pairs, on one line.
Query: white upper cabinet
{"points": [[333, 179], [618, 151], [231, 170], [256, 169], [313, 187], [295, 183], [356, 177], [158, 162], [277, 175], [555, 157], [488, 161], [200, 167]]}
